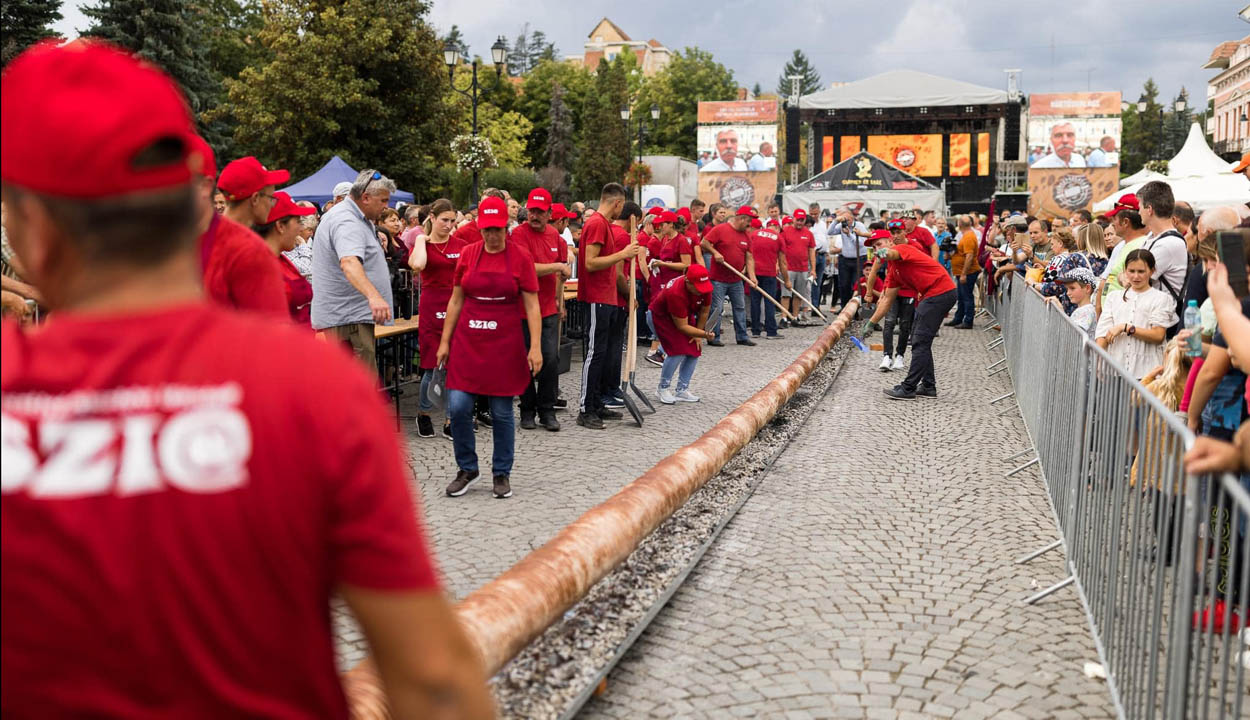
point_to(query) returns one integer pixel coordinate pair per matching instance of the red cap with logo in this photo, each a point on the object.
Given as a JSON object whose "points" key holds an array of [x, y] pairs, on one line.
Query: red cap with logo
{"points": [[209, 167], [539, 199], [284, 206], [684, 214], [1126, 202], [748, 211], [244, 177], [787, 220], [88, 120], [879, 235], [772, 222], [492, 213], [697, 274], [800, 215], [559, 213]]}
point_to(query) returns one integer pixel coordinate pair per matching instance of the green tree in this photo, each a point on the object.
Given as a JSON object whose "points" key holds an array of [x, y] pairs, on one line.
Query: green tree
{"points": [[24, 23], [1140, 132], [559, 150], [1176, 126], [540, 49], [692, 75], [168, 33], [534, 101], [519, 55], [233, 31], [603, 147], [756, 90], [363, 79], [798, 64]]}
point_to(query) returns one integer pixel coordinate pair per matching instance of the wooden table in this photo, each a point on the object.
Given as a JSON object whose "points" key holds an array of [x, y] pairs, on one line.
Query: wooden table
{"points": [[394, 342]]}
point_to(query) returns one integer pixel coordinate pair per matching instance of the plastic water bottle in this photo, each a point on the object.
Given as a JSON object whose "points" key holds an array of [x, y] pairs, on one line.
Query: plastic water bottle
{"points": [[1193, 323]]}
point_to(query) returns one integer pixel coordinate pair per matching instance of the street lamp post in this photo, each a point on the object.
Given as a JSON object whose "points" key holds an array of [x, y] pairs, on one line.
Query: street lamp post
{"points": [[451, 56], [1178, 106], [626, 114]]}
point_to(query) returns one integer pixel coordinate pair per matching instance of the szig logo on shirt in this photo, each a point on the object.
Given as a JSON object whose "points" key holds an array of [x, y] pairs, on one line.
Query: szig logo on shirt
{"points": [[440, 315], [483, 325]]}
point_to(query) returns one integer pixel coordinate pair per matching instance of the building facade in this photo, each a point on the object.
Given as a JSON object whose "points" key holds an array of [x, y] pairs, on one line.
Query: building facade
{"points": [[1229, 93], [608, 40]]}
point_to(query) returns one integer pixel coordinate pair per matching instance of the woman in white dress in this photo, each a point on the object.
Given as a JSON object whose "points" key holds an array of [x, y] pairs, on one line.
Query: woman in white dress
{"points": [[1134, 322]]}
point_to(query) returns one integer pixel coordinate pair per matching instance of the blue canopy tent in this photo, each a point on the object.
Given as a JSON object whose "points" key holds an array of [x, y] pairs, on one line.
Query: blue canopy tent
{"points": [[319, 187]]}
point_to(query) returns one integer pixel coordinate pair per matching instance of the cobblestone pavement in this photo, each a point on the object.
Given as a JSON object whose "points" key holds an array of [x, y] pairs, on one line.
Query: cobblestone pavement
{"points": [[871, 574], [558, 476]]}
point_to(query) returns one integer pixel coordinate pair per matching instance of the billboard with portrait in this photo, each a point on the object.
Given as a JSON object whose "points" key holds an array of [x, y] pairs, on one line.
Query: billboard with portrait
{"points": [[737, 148], [1074, 130]]}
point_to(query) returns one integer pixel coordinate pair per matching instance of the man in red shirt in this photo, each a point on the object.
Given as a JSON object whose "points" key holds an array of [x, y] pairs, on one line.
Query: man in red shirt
{"points": [[239, 271], [800, 248], [550, 253], [630, 211], [770, 272], [919, 235], [729, 245], [178, 504], [599, 275], [914, 270]]}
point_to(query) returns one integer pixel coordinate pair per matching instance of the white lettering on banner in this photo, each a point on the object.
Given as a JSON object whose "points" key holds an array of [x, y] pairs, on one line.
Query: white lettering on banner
{"points": [[483, 325], [202, 449]]}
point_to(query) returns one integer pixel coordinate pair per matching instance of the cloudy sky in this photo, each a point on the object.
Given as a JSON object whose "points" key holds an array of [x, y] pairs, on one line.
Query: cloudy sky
{"points": [[1099, 44]]}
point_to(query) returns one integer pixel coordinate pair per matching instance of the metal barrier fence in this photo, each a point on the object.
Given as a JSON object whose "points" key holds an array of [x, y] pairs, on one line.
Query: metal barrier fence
{"points": [[1160, 559]]}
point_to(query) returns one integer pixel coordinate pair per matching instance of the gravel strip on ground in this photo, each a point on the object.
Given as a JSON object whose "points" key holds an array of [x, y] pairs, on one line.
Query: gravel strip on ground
{"points": [[546, 678]]}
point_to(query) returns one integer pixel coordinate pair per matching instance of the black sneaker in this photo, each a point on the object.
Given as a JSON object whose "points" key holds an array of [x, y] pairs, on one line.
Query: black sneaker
{"points": [[656, 358], [503, 489], [425, 427], [715, 343], [898, 392], [589, 421], [460, 485], [549, 421], [527, 421], [561, 403], [965, 326], [613, 401], [610, 414], [926, 392], [952, 323], [778, 336], [748, 342], [447, 431], [484, 419]]}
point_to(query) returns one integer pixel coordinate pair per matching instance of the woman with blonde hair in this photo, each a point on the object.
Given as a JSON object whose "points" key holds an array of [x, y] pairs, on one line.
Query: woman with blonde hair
{"points": [[1092, 243]]}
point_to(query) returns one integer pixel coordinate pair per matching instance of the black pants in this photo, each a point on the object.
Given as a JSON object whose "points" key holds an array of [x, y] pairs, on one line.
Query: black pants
{"points": [[540, 394], [901, 314], [849, 270], [644, 330], [601, 372], [929, 315]]}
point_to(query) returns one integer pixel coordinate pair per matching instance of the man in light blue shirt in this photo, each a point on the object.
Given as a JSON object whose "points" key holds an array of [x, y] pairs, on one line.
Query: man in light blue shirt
{"points": [[849, 234], [350, 279]]}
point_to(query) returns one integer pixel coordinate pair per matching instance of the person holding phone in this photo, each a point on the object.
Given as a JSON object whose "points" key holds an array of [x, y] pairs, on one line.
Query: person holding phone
{"points": [[1134, 321]]}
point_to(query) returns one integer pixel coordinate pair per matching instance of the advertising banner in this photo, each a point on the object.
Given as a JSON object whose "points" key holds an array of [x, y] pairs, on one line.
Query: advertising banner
{"points": [[848, 145], [736, 189], [1059, 192], [740, 112], [737, 148], [1077, 104], [916, 154], [983, 154]]}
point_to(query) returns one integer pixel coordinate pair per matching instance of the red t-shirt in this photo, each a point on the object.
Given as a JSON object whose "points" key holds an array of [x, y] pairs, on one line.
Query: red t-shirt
{"points": [[922, 238], [298, 293], [545, 248], [440, 263], [521, 269], [731, 244], [765, 246], [598, 286], [178, 508], [468, 233], [240, 271], [796, 243], [916, 270]]}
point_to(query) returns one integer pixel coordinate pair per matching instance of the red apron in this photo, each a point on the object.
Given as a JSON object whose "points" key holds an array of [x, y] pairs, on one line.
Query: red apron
{"points": [[674, 341], [488, 354], [668, 251]]}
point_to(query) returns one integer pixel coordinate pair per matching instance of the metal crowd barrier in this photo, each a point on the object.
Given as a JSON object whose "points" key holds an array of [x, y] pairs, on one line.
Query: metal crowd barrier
{"points": [[1160, 559]]}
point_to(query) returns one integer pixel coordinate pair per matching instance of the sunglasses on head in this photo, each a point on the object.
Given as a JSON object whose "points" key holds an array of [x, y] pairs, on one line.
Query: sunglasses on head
{"points": [[376, 176]]}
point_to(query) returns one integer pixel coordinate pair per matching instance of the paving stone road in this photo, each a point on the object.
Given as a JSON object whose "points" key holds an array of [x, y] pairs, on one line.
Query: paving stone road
{"points": [[871, 575], [558, 476]]}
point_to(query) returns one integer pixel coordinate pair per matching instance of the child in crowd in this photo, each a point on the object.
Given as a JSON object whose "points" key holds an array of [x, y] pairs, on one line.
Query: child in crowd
{"points": [[1080, 283]]}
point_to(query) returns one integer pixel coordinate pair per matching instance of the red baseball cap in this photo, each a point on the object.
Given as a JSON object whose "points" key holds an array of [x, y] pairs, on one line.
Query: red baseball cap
{"points": [[88, 120], [755, 223], [655, 210], [208, 166], [879, 235], [539, 199], [800, 214], [244, 177], [895, 225], [665, 216], [284, 206], [558, 212], [787, 220], [1126, 202], [748, 211], [684, 214], [772, 222], [492, 213], [697, 274]]}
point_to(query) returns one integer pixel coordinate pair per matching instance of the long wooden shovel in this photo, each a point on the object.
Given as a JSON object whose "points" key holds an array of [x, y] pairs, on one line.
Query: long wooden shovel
{"points": [[631, 355], [756, 288], [808, 303], [631, 332]]}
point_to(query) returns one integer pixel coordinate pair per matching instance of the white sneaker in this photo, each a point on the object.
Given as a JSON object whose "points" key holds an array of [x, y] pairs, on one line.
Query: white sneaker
{"points": [[898, 362], [666, 396], [885, 363], [685, 396]]}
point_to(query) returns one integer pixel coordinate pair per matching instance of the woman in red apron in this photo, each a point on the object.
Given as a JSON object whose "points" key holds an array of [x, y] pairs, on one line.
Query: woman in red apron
{"points": [[281, 233], [671, 254], [482, 345], [679, 313], [434, 255]]}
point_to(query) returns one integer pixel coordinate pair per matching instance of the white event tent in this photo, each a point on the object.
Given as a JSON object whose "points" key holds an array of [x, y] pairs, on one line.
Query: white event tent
{"points": [[1197, 175]]}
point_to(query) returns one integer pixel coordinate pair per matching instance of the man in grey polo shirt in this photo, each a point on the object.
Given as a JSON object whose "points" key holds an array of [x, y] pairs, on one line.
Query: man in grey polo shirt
{"points": [[351, 282]]}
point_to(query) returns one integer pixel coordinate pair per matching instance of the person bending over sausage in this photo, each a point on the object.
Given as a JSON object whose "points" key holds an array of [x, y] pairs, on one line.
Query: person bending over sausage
{"points": [[679, 313]]}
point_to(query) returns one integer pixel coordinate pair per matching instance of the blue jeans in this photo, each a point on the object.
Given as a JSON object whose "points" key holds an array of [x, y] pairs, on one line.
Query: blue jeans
{"points": [[424, 404], [684, 365], [737, 299], [966, 306], [821, 259], [460, 410], [759, 305]]}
